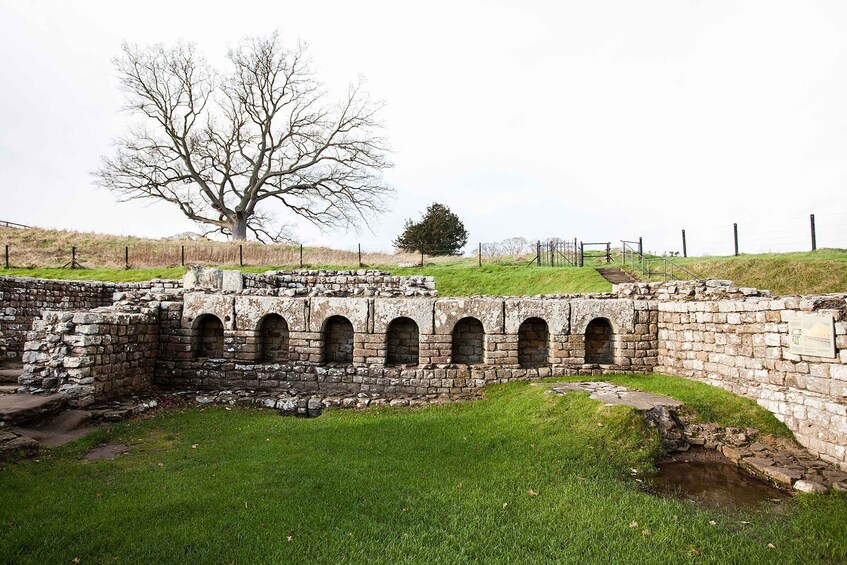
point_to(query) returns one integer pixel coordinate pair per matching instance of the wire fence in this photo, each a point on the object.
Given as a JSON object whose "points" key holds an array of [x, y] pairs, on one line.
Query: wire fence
{"points": [[35, 248], [101, 253]]}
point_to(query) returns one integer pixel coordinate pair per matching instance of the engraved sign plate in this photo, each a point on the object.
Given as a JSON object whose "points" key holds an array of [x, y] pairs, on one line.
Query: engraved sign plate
{"points": [[812, 334]]}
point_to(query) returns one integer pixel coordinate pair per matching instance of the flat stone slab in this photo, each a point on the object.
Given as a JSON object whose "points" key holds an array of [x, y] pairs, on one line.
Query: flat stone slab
{"points": [[10, 375], [612, 395], [18, 408]]}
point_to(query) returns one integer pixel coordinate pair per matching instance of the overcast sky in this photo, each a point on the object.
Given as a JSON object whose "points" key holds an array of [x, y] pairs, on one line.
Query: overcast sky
{"points": [[597, 120]]}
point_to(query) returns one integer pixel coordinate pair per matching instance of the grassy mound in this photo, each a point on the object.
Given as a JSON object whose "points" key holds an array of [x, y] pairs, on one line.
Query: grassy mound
{"points": [[518, 477], [814, 272]]}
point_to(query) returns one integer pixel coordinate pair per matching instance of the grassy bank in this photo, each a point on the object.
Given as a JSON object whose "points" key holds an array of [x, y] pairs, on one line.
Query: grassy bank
{"points": [[451, 280], [519, 477], [814, 272]]}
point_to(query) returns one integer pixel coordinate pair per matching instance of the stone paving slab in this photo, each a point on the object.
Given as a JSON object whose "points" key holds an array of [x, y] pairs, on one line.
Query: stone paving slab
{"points": [[612, 395], [18, 408]]}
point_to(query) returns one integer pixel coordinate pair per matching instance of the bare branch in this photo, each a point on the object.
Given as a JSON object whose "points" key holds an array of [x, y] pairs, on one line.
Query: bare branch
{"points": [[220, 147]]}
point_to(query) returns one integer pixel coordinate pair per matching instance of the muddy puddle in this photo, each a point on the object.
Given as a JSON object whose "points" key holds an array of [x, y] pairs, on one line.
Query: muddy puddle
{"points": [[714, 484]]}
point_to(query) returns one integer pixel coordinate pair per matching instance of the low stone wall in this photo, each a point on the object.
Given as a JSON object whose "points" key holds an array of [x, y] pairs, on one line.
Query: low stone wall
{"points": [[22, 299], [340, 283], [91, 356], [738, 339], [551, 330]]}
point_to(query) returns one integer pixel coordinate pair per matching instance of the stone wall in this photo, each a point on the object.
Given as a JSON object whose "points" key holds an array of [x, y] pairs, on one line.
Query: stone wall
{"points": [[339, 283], [91, 355], [738, 339], [22, 300], [349, 346]]}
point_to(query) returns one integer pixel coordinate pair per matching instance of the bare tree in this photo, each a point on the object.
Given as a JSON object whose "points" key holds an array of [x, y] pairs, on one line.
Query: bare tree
{"points": [[222, 147]]}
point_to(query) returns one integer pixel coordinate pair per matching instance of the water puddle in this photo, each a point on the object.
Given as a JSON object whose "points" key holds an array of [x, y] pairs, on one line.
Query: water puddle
{"points": [[714, 485]]}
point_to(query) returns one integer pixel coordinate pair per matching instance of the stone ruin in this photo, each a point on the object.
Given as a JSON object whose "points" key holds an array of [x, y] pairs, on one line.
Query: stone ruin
{"points": [[298, 341]]}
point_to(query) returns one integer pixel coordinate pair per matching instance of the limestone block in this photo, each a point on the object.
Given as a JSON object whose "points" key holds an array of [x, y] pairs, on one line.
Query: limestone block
{"points": [[619, 312], [418, 309], [197, 304], [250, 310], [489, 311], [203, 278], [555, 312], [356, 310]]}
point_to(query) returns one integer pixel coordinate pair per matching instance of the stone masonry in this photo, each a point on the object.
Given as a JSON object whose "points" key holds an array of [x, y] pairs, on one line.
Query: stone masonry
{"points": [[353, 334]]}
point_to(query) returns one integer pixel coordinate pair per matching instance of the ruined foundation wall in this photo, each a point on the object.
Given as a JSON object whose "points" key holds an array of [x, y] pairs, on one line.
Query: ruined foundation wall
{"points": [[738, 339], [91, 356], [22, 300], [339, 283], [311, 325]]}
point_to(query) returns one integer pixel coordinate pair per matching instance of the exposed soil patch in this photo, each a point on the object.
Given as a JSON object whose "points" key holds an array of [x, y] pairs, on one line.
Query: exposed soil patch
{"points": [[106, 451]]}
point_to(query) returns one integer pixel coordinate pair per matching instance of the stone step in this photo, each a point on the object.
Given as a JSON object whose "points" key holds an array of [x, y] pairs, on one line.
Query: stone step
{"points": [[10, 374], [615, 275], [65, 427], [29, 409]]}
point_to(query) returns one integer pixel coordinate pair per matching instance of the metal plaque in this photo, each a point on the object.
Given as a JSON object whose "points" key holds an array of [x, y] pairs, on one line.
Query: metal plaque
{"points": [[812, 334]]}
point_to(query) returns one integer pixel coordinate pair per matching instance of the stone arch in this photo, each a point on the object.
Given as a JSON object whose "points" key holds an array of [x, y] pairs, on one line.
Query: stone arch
{"points": [[273, 338], [533, 343], [337, 340], [402, 342], [468, 340], [599, 342], [208, 336]]}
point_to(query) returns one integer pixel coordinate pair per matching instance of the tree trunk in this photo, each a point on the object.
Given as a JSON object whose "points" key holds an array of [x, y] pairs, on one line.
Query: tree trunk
{"points": [[239, 229]]}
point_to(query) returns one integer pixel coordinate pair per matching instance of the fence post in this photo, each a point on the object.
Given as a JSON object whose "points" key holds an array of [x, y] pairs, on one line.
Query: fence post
{"points": [[73, 257], [640, 247], [301, 255], [480, 254], [684, 248], [182, 254], [422, 254], [360, 255], [126, 257], [735, 236], [581, 254], [7, 256], [538, 253], [814, 238]]}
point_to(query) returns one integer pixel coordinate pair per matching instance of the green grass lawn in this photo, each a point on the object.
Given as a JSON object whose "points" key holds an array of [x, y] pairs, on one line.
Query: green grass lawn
{"points": [[441, 484], [816, 272], [812, 272], [451, 280]]}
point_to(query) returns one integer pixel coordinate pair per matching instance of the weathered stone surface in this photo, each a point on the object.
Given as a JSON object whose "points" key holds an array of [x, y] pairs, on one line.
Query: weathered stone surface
{"points": [[418, 309], [621, 314], [19, 408], [356, 310], [810, 487], [489, 311], [250, 310], [556, 313], [196, 304]]}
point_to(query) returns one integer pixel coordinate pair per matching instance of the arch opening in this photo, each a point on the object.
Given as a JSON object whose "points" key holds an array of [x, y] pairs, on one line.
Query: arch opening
{"points": [[403, 342], [338, 340], [599, 342], [273, 339], [468, 337], [209, 337], [533, 343]]}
